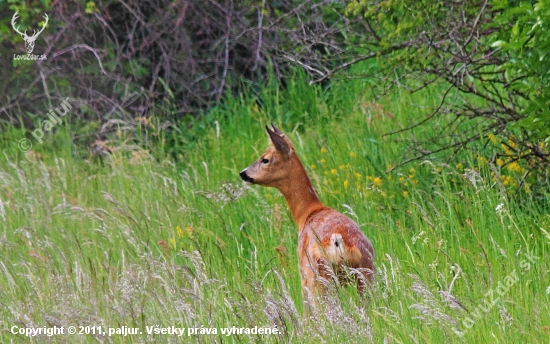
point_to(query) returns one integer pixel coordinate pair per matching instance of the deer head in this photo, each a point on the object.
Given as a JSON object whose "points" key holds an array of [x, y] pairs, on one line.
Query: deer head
{"points": [[29, 40], [276, 164]]}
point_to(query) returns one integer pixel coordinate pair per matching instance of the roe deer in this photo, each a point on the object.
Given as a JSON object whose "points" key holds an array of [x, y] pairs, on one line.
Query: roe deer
{"points": [[327, 239]]}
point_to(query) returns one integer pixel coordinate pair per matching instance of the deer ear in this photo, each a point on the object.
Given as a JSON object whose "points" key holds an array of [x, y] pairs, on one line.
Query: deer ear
{"points": [[278, 139], [276, 130]]}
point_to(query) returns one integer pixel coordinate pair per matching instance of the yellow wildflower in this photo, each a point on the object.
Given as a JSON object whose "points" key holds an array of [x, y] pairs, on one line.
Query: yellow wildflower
{"points": [[313, 166], [506, 149], [346, 184], [358, 175], [333, 171], [352, 154], [405, 193], [179, 231], [323, 150], [500, 162], [341, 167], [459, 166], [172, 242], [323, 161], [377, 181], [514, 167]]}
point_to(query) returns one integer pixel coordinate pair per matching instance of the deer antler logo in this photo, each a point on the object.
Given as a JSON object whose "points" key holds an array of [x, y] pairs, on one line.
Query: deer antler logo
{"points": [[29, 40]]}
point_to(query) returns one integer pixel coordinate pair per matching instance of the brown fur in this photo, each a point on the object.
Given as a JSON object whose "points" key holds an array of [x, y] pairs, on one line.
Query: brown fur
{"points": [[327, 238]]}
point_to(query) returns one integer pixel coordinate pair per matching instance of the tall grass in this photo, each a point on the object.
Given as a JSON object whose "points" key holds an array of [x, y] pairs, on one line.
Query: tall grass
{"points": [[170, 236]]}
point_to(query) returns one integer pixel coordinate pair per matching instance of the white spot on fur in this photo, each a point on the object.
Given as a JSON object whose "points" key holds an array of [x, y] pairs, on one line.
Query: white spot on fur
{"points": [[336, 250]]}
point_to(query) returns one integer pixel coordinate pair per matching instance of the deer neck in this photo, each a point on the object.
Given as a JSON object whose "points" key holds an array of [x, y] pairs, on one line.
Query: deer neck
{"points": [[300, 196]]}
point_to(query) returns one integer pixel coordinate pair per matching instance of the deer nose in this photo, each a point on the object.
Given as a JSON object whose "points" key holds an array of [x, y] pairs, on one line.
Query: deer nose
{"points": [[245, 177]]}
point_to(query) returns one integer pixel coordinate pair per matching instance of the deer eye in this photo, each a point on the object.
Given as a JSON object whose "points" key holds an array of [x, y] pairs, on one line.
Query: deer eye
{"points": [[264, 161]]}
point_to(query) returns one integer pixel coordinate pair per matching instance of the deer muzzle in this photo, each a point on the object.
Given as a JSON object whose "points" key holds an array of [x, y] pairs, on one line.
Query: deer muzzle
{"points": [[245, 177]]}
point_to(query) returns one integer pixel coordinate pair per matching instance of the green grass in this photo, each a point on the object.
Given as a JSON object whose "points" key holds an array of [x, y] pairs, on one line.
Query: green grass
{"points": [[170, 236]]}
